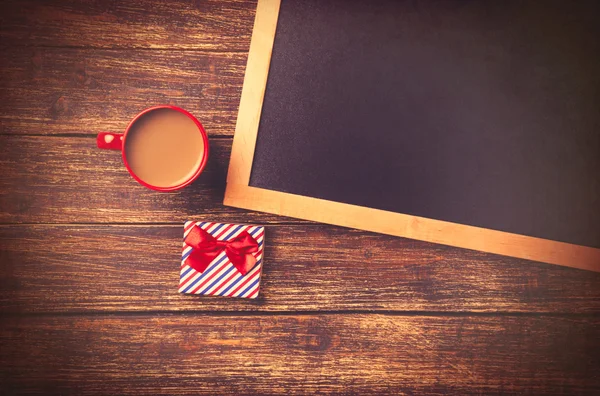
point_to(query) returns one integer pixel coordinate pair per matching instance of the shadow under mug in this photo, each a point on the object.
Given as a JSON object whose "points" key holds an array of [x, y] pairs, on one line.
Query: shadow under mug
{"points": [[117, 141]]}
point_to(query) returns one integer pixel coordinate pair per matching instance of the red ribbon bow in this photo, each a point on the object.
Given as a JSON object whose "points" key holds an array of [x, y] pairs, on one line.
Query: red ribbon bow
{"points": [[206, 248]]}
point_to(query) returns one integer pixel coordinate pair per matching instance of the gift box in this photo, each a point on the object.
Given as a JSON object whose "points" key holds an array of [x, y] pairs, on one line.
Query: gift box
{"points": [[221, 259]]}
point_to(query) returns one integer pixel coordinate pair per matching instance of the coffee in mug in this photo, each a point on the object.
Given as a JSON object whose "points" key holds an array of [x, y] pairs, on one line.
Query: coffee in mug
{"points": [[164, 148]]}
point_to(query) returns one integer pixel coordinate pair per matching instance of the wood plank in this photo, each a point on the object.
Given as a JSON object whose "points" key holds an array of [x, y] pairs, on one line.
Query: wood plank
{"points": [[208, 24], [68, 180], [85, 91], [48, 268], [300, 354]]}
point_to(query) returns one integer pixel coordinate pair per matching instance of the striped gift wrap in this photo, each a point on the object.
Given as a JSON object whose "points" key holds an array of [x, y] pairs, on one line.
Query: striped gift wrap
{"points": [[221, 278]]}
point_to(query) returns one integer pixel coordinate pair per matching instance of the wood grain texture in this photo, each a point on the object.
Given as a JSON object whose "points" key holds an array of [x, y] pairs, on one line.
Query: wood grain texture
{"points": [[69, 180], [50, 268], [206, 24], [85, 91], [372, 354], [93, 308]]}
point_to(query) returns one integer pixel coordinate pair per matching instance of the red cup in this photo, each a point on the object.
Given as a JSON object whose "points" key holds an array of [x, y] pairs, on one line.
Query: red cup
{"points": [[117, 141]]}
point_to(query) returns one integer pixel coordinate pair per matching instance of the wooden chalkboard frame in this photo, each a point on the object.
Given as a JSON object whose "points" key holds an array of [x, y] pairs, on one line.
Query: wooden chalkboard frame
{"points": [[240, 194]]}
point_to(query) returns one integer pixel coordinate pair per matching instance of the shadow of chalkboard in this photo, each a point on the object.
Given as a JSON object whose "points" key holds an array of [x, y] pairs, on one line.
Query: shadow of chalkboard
{"points": [[485, 113]]}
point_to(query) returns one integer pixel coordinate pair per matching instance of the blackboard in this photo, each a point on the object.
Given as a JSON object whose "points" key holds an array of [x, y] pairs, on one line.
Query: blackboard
{"points": [[480, 114]]}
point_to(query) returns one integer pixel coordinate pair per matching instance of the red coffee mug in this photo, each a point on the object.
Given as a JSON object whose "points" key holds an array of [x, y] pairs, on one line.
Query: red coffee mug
{"points": [[117, 141]]}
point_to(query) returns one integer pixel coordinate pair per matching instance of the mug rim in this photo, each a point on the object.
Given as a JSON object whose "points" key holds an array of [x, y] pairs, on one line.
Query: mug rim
{"points": [[197, 172]]}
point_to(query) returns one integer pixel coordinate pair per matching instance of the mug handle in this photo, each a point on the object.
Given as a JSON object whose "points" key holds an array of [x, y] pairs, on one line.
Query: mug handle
{"points": [[110, 141]]}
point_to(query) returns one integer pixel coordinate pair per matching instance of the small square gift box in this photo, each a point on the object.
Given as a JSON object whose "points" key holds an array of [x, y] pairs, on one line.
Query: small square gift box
{"points": [[221, 259]]}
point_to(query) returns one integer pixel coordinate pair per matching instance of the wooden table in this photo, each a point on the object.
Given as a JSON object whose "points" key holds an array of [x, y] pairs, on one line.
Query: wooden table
{"points": [[89, 259]]}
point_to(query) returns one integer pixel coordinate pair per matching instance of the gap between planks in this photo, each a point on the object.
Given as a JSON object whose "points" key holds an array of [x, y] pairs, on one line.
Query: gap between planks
{"points": [[168, 224], [433, 314], [88, 135], [123, 48]]}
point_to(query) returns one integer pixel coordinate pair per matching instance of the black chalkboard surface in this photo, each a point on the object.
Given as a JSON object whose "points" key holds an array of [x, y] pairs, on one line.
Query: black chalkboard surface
{"points": [[482, 113]]}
